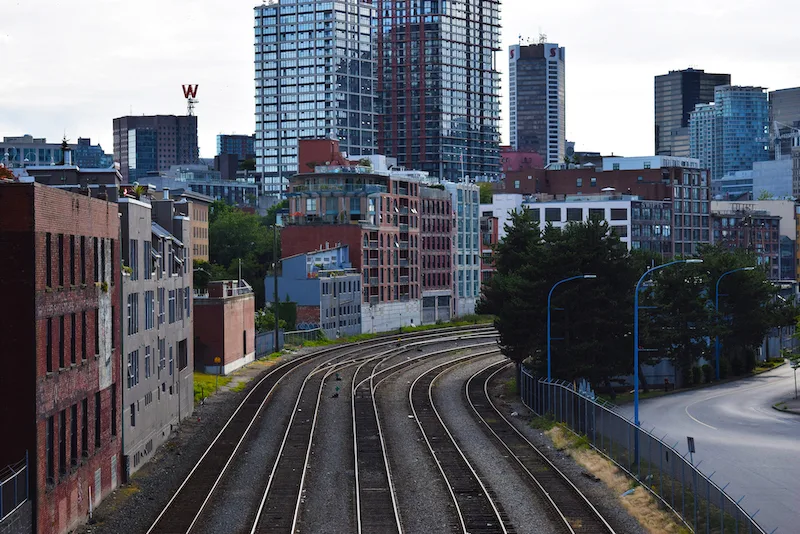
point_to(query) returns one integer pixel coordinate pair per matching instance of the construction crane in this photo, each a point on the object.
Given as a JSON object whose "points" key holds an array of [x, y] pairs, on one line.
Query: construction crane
{"points": [[794, 135]]}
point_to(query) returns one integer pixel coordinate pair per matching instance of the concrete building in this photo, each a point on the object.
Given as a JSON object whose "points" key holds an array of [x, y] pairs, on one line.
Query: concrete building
{"points": [[325, 287], [315, 71], [796, 172], [662, 178], [60, 387], [376, 213], [639, 224], [437, 234], [537, 104], [503, 204], [771, 179], [732, 133], [240, 192], [241, 146], [26, 150], [439, 86], [225, 327], [195, 207], [157, 324], [676, 96], [146, 144], [466, 248]]}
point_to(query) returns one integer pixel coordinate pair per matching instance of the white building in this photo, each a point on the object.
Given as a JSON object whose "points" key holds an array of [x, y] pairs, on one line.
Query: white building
{"points": [[615, 163], [315, 72], [467, 247], [503, 204]]}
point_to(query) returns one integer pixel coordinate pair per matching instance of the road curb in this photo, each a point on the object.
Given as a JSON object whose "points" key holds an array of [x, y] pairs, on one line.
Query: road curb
{"points": [[775, 407]]}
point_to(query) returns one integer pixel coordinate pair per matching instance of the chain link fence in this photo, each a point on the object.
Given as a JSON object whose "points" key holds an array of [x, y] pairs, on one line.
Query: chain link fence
{"points": [[299, 337], [702, 505], [13, 487]]}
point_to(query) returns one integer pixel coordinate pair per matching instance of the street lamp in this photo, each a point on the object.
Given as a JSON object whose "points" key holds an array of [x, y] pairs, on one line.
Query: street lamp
{"points": [[716, 308], [584, 276], [636, 340]]}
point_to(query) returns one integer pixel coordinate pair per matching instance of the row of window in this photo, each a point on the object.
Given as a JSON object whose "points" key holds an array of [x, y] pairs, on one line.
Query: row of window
{"points": [[160, 257], [69, 332], [178, 302], [343, 310], [69, 253], [157, 360], [341, 286], [70, 436]]}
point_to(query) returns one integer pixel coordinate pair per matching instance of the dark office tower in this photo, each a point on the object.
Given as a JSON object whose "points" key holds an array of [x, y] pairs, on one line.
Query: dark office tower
{"points": [[784, 121], [154, 143], [439, 85], [676, 95], [537, 100]]}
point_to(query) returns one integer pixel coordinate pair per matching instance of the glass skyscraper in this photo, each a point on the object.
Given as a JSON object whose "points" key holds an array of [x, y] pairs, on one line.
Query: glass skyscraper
{"points": [[439, 85], [315, 71], [733, 133]]}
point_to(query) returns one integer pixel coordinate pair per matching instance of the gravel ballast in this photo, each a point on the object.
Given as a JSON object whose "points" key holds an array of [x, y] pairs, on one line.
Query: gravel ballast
{"points": [[526, 509], [606, 502]]}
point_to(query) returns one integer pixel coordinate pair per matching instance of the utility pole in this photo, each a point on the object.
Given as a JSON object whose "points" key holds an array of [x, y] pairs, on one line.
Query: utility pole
{"points": [[275, 281]]}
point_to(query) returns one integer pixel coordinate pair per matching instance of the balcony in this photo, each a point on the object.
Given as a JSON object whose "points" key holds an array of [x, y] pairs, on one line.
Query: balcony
{"points": [[335, 189], [314, 219]]}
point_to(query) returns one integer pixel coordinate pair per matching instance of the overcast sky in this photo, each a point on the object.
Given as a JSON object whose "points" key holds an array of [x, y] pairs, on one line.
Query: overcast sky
{"points": [[72, 66]]}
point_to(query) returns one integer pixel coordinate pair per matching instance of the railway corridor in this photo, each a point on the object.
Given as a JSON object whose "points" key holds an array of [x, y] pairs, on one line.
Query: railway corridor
{"points": [[381, 436]]}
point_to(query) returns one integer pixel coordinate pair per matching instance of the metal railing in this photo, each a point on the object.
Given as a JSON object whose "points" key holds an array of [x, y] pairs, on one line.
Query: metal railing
{"points": [[298, 337], [13, 487], [660, 468]]}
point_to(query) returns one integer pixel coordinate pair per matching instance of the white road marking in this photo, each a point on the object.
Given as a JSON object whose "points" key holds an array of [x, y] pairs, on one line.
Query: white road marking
{"points": [[697, 420]]}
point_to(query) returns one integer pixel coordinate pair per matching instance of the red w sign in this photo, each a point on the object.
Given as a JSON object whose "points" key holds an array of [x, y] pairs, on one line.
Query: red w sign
{"points": [[190, 91]]}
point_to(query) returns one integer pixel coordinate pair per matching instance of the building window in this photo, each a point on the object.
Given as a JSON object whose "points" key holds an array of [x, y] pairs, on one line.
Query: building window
{"points": [[72, 260], [552, 214], [83, 259], [83, 335], [161, 293], [48, 259], [311, 205], [597, 214], [147, 362], [646, 164], [149, 310], [96, 260], [133, 258], [133, 414], [49, 344], [50, 446], [148, 260], [171, 306], [516, 184], [62, 442], [579, 182], [133, 368], [619, 214], [187, 292], [73, 435], [85, 427], [620, 231], [97, 411], [113, 409], [183, 355], [593, 182], [73, 342], [162, 357], [133, 313], [61, 342], [60, 251], [171, 361], [574, 214], [615, 166]]}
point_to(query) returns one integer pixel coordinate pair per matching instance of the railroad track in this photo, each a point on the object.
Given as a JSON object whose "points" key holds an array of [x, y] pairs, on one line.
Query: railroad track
{"points": [[182, 511], [575, 511], [376, 503], [477, 508], [280, 505]]}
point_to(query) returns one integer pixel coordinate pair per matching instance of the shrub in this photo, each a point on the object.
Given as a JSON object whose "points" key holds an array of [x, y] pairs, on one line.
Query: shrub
{"points": [[724, 368], [749, 361], [707, 373], [737, 365], [697, 375]]}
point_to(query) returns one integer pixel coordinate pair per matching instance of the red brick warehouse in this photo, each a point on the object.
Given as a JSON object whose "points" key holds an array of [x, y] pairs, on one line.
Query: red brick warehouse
{"points": [[59, 392]]}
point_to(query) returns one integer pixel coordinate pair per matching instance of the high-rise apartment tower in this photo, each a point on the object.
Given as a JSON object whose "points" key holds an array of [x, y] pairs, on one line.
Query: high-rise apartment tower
{"points": [[315, 76], [154, 143], [439, 85]]}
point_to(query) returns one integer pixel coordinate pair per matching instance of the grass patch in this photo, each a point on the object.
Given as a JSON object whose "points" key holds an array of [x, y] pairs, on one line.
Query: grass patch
{"points": [[511, 387], [205, 385], [270, 357], [770, 364], [239, 387], [545, 422], [640, 504], [623, 398]]}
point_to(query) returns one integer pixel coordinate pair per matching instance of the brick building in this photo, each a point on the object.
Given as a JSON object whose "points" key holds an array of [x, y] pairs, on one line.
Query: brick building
{"points": [[60, 396], [195, 206], [375, 212], [225, 327], [437, 234], [490, 236], [740, 226]]}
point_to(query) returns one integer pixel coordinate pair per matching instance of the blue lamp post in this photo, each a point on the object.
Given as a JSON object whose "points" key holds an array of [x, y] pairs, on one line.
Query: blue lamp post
{"points": [[636, 340], [716, 307], [549, 295]]}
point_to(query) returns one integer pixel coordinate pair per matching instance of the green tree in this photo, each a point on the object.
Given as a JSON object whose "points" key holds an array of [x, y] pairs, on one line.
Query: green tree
{"points": [[247, 165], [272, 213], [486, 192], [265, 321]]}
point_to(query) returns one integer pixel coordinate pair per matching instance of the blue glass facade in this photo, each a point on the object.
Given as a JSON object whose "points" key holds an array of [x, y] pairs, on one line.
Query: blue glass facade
{"points": [[244, 146], [90, 156]]}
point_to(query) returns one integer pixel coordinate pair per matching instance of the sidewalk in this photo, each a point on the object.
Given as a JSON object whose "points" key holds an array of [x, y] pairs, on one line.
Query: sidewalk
{"points": [[791, 405]]}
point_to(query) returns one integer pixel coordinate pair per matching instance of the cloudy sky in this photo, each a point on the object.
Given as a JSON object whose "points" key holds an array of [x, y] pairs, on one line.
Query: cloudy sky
{"points": [[72, 66]]}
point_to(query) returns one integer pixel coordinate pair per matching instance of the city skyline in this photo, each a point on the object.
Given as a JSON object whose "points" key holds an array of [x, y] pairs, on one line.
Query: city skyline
{"points": [[132, 63]]}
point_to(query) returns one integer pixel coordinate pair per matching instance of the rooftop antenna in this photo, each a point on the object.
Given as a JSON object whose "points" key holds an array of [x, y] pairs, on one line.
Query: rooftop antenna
{"points": [[542, 37], [190, 94]]}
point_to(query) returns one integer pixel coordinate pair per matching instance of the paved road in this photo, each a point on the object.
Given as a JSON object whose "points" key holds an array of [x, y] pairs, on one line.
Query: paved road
{"points": [[740, 436]]}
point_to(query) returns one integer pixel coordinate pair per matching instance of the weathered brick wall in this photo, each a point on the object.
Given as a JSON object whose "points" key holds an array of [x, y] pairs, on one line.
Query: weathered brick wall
{"points": [[28, 213], [301, 239], [221, 327]]}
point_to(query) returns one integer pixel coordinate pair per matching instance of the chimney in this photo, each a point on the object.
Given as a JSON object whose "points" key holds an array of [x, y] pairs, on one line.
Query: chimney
{"points": [[166, 193]]}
